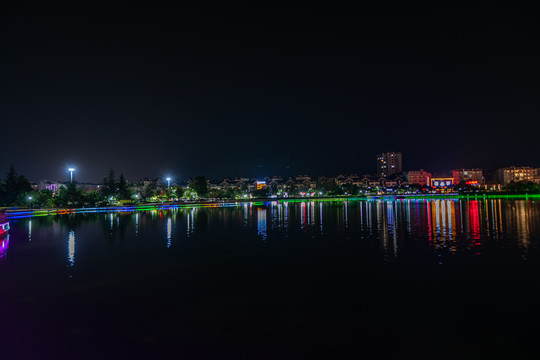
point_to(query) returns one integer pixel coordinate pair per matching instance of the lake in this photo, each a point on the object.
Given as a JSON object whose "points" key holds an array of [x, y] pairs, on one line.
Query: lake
{"points": [[315, 279]]}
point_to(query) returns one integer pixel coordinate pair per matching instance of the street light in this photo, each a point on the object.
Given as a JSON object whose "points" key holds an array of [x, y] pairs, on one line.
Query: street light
{"points": [[168, 182], [30, 201], [71, 170]]}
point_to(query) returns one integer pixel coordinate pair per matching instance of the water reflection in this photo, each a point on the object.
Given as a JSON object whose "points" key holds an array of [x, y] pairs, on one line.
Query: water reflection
{"points": [[441, 224], [71, 248], [169, 232], [320, 218], [444, 226], [191, 222], [4, 246], [261, 223]]}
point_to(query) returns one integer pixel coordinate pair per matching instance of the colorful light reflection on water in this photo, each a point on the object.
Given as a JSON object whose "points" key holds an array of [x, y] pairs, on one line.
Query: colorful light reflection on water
{"points": [[258, 270]]}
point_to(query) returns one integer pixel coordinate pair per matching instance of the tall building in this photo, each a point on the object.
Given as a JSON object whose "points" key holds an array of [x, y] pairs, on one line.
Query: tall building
{"points": [[389, 163], [513, 173], [419, 177], [472, 176]]}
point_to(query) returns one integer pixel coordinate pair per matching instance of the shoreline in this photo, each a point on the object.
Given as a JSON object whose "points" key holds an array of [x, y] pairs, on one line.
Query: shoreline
{"points": [[18, 213]]}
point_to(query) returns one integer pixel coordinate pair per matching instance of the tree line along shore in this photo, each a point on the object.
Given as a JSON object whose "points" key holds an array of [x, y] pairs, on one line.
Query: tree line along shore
{"points": [[16, 191]]}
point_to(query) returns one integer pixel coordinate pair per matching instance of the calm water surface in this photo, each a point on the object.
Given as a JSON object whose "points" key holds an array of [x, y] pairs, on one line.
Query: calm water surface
{"points": [[374, 279]]}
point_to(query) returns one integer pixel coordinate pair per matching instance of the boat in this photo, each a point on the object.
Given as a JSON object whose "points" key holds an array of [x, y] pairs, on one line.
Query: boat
{"points": [[4, 224]]}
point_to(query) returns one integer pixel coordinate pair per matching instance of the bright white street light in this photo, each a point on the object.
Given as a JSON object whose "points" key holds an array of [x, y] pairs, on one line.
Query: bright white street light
{"points": [[168, 182], [71, 170]]}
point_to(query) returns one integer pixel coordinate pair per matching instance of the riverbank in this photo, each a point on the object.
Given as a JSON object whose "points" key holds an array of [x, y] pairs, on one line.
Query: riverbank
{"points": [[15, 213]]}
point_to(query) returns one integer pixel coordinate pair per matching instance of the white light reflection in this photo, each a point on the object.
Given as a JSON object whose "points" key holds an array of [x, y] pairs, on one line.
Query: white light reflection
{"points": [[71, 248], [136, 224], [246, 214], [190, 224], [312, 211], [346, 214], [320, 215], [169, 232], [29, 230]]}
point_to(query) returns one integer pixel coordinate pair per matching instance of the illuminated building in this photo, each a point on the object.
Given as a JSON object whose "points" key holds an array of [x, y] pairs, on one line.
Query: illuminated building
{"points": [[516, 174], [419, 177], [442, 183], [389, 163], [469, 176]]}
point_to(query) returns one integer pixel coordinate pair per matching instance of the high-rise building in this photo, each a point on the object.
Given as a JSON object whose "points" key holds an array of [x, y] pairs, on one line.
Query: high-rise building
{"points": [[472, 176], [419, 177], [389, 163], [513, 173]]}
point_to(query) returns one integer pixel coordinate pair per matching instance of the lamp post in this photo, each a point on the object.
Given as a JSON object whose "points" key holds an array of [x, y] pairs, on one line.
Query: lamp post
{"points": [[30, 201], [71, 170], [169, 182]]}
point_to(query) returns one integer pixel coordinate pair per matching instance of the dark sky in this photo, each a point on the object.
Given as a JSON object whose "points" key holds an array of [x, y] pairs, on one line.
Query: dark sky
{"points": [[254, 90]]}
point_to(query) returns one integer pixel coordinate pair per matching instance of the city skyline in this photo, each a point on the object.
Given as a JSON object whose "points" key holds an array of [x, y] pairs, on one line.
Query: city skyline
{"points": [[421, 176]]}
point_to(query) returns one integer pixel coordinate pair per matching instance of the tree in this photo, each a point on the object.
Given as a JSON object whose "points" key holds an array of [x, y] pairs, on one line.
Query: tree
{"points": [[523, 187], [14, 188], [93, 198], [260, 193], [70, 195], [149, 190], [43, 198], [200, 186], [109, 185], [215, 193], [351, 189], [124, 189], [178, 192], [231, 193]]}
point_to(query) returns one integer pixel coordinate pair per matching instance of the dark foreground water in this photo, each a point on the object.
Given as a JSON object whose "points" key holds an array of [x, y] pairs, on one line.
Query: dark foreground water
{"points": [[428, 279]]}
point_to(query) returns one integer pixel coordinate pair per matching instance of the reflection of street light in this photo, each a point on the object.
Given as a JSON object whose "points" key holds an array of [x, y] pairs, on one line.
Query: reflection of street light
{"points": [[71, 170], [168, 182]]}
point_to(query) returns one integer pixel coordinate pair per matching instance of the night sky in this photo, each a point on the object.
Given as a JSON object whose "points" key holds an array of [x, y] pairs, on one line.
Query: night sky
{"points": [[254, 90]]}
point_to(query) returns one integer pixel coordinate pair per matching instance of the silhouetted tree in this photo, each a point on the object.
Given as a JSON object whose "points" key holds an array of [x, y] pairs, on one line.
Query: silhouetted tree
{"points": [[351, 189], [14, 188], [178, 192], [43, 198], [70, 195], [523, 187], [93, 198], [124, 190], [109, 185], [199, 185], [149, 190]]}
